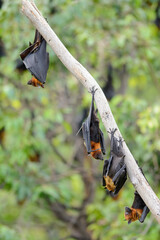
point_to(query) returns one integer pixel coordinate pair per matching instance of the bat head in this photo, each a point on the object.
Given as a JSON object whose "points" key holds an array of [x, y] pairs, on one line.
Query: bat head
{"points": [[96, 150], [35, 82], [97, 155], [132, 214]]}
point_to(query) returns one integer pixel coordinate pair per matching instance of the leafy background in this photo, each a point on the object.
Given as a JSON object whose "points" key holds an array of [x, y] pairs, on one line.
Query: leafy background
{"points": [[50, 189]]}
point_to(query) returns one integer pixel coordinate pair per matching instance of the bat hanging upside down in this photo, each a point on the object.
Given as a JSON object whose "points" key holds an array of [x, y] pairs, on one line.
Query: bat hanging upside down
{"points": [[92, 134], [114, 169], [138, 211], [36, 60]]}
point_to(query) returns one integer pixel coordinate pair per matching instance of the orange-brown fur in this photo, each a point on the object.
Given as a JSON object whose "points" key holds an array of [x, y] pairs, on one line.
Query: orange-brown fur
{"points": [[134, 215], [109, 184], [95, 146], [35, 82]]}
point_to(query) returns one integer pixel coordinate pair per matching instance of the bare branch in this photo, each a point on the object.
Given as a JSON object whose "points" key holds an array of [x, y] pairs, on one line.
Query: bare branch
{"points": [[141, 185], [61, 212]]}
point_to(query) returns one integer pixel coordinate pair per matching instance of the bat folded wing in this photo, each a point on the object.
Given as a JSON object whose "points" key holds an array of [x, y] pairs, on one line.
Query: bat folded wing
{"points": [[86, 136], [27, 51], [144, 214], [37, 62], [102, 142]]}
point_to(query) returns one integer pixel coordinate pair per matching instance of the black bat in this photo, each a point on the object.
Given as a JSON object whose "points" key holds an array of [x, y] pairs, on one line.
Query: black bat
{"points": [[92, 134], [108, 89], [138, 211], [36, 60], [114, 169]]}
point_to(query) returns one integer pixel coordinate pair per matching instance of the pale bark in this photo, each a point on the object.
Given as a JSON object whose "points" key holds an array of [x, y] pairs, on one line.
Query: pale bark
{"points": [[141, 185]]}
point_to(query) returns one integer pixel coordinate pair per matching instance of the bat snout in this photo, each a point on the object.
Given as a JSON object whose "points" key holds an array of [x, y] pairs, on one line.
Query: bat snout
{"points": [[29, 82], [96, 150], [98, 155]]}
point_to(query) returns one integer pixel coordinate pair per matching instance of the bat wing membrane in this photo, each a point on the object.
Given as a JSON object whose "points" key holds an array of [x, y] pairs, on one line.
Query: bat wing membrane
{"points": [[102, 142], [37, 62], [144, 214], [121, 180], [105, 167], [86, 128], [38, 37], [31, 48], [86, 135]]}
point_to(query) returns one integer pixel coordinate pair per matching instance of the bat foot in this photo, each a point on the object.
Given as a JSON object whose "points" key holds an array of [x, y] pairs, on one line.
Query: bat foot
{"points": [[112, 131], [93, 90]]}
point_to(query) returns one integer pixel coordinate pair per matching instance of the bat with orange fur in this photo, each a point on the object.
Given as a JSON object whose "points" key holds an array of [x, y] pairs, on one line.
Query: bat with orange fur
{"points": [[114, 169], [36, 60], [138, 211], [92, 134]]}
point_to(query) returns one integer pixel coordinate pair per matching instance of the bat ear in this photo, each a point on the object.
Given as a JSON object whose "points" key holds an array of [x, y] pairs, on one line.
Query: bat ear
{"points": [[127, 211]]}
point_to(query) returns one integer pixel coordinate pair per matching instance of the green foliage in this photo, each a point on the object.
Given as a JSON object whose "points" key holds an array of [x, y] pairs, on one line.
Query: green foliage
{"points": [[38, 154], [7, 234]]}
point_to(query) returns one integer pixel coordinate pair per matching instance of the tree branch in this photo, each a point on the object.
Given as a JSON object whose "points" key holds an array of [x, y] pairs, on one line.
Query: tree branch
{"points": [[138, 180]]}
